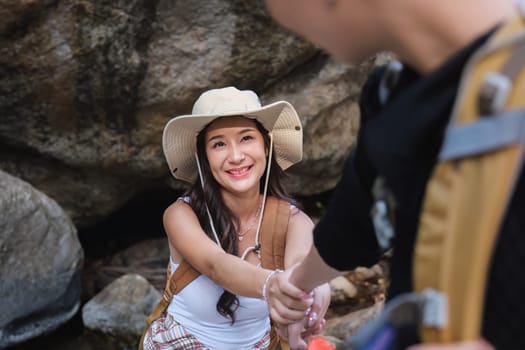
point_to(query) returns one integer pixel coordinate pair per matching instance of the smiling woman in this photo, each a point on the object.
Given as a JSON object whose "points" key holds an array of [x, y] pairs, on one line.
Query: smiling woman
{"points": [[234, 152]]}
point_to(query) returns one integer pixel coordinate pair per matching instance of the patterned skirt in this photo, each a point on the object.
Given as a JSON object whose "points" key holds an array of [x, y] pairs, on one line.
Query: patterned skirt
{"points": [[165, 333]]}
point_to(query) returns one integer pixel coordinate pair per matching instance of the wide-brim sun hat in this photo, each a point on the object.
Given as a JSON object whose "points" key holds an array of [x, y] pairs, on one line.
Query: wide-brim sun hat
{"points": [[179, 139]]}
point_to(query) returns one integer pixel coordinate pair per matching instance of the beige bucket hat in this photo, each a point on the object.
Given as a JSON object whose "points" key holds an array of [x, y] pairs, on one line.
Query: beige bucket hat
{"points": [[179, 139]]}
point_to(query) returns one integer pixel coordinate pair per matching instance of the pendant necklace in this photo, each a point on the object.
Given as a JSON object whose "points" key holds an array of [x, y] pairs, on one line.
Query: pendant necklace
{"points": [[240, 235]]}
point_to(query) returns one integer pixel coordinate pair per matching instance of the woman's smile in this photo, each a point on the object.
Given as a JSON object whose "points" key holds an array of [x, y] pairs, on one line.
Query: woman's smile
{"points": [[240, 172]]}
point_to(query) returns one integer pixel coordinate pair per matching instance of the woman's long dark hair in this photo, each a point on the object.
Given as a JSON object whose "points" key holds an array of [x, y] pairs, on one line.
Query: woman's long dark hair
{"points": [[225, 221]]}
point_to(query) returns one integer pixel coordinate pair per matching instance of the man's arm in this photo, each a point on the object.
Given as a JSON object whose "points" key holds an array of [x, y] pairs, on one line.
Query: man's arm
{"points": [[312, 271]]}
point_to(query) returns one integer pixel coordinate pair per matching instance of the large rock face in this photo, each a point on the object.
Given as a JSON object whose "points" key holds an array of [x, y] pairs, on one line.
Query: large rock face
{"points": [[87, 86], [40, 263]]}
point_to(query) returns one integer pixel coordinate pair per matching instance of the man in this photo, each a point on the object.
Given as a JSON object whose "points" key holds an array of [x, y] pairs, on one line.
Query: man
{"points": [[399, 140]]}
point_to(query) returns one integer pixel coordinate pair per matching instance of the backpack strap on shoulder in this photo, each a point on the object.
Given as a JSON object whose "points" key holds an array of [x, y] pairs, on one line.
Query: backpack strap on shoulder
{"points": [[273, 245], [273, 237], [497, 86], [471, 186], [183, 275]]}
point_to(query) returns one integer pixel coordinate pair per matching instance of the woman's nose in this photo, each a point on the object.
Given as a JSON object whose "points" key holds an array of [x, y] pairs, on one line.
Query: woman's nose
{"points": [[236, 154]]}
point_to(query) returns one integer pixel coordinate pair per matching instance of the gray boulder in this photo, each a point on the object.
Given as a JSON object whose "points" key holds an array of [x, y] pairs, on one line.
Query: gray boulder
{"points": [[40, 263], [119, 311]]}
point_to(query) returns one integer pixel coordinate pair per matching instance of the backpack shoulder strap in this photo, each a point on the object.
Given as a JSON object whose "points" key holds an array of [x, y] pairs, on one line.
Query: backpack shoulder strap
{"points": [[273, 244], [469, 190], [273, 233], [183, 275]]}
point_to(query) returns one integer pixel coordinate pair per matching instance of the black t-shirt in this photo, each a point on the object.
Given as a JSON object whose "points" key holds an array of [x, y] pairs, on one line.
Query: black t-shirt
{"points": [[399, 140]]}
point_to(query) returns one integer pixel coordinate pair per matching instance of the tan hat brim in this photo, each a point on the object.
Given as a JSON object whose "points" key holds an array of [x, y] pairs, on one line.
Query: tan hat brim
{"points": [[280, 118]]}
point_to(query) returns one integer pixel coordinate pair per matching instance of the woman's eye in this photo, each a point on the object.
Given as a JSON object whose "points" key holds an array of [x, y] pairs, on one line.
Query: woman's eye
{"points": [[218, 144], [247, 137]]}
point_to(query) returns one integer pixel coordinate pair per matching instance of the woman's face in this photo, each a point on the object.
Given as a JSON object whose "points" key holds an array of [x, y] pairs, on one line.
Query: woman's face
{"points": [[236, 154]]}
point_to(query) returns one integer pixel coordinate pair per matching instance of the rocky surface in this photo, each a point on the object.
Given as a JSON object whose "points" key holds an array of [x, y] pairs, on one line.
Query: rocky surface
{"points": [[119, 311], [40, 263], [87, 86]]}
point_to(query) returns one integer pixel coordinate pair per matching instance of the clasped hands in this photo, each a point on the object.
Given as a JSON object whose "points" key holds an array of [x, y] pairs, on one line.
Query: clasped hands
{"points": [[297, 313], [300, 314]]}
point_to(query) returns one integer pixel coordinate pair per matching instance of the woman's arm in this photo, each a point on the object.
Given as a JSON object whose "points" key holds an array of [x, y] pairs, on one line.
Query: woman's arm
{"points": [[299, 237], [298, 244], [187, 240]]}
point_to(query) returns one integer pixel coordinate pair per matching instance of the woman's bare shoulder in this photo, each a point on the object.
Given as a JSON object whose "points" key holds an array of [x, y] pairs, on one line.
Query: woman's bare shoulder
{"points": [[299, 216], [179, 208]]}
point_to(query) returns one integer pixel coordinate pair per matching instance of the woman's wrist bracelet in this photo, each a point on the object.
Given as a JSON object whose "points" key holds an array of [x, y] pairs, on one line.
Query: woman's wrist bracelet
{"points": [[265, 284]]}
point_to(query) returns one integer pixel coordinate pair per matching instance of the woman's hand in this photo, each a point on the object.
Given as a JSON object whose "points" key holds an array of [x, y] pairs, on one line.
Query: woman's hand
{"points": [[286, 302]]}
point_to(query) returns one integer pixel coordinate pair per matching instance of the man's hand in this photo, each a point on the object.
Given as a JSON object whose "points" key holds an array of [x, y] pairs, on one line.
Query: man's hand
{"points": [[313, 321], [298, 332]]}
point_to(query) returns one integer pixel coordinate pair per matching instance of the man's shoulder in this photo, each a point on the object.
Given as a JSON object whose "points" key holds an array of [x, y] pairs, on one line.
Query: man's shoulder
{"points": [[369, 102], [379, 86]]}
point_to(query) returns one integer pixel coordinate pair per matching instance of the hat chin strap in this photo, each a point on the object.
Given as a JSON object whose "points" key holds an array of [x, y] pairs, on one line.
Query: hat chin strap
{"points": [[207, 210], [257, 247]]}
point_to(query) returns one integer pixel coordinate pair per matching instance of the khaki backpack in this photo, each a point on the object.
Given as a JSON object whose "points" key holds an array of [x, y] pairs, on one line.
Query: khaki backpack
{"points": [[472, 184], [272, 245]]}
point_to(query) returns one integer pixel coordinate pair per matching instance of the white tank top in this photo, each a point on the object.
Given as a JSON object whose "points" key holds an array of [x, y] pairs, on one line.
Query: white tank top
{"points": [[195, 309]]}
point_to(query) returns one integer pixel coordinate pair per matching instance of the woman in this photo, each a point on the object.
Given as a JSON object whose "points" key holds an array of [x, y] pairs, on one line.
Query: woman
{"points": [[226, 149]]}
